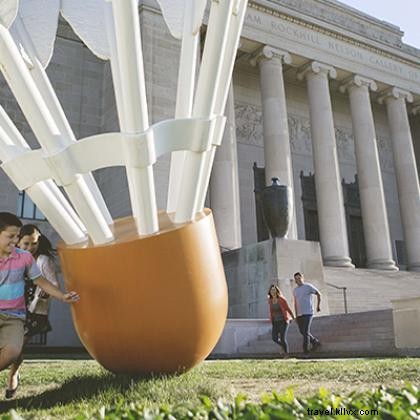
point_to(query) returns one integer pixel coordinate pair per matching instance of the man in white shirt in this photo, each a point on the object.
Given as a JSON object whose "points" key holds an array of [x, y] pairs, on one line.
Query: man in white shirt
{"points": [[304, 310]]}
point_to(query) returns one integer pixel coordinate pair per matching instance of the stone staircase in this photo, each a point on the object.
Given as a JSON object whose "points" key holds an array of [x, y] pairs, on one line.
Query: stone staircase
{"points": [[369, 290], [344, 335]]}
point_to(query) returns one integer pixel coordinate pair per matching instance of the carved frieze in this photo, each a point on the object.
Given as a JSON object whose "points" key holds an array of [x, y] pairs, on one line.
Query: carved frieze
{"points": [[249, 130], [345, 145], [249, 125], [300, 134], [385, 153]]}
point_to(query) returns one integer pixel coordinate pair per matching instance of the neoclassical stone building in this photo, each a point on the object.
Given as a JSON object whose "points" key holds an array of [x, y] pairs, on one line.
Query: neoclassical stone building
{"points": [[322, 89], [323, 97]]}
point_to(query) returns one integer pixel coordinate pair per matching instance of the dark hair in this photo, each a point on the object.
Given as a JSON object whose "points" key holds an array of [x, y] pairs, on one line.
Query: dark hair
{"points": [[297, 274], [26, 230], [278, 293], [8, 219], [44, 247]]}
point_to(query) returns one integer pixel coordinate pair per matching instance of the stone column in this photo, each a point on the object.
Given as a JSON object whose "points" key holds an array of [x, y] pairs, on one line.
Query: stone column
{"points": [[329, 193], [416, 113], [277, 156], [224, 184], [372, 198], [405, 171]]}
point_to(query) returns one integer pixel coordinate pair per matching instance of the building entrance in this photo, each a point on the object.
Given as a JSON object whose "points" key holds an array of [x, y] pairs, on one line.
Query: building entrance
{"points": [[354, 221]]}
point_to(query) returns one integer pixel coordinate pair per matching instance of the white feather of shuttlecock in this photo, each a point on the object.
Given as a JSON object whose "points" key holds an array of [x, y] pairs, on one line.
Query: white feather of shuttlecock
{"points": [[27, 48], [40, 18], [173, 12], [88, 21], [86, 18], [34, 34], [93, 22], [8, 11], [30, 55]]}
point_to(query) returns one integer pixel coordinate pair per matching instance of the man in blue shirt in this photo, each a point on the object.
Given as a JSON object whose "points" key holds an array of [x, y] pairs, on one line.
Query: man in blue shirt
{"points": [[304, 310]]}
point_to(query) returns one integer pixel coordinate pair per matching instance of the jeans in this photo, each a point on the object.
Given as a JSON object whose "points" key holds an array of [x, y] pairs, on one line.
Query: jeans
{"points": [[304, 323], [279, 334]]}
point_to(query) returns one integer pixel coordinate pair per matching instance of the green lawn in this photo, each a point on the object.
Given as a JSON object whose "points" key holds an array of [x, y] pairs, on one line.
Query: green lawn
{"points": [[68, 389]]}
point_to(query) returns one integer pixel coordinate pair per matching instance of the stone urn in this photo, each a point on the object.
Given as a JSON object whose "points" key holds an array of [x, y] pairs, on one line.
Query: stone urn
{"points": [[277, 209]]}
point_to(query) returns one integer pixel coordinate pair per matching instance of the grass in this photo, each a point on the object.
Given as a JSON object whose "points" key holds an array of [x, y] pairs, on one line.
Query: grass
{"points": [[67, 389]]}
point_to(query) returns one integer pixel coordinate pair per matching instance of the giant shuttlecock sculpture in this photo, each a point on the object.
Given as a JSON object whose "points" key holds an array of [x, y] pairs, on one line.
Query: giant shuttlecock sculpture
{"points": [[152, 286]]}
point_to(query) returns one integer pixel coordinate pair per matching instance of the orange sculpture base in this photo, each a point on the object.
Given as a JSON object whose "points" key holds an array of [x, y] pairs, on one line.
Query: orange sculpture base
{"points": [[153, 304]]}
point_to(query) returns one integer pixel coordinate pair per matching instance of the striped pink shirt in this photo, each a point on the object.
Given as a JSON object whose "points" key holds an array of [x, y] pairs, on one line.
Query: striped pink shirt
{"points": [[15, 269]]}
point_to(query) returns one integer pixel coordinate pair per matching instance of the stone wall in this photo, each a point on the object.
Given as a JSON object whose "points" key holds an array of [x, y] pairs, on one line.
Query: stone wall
{"points": [[251, 270]]}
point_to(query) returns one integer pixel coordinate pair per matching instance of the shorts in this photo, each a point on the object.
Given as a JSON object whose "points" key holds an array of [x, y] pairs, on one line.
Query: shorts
{"points": [[11, 331]]}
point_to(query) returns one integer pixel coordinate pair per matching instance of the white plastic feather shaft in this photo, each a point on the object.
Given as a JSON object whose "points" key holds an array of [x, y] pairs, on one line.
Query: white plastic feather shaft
{"points": [[223, 91], [184, 99], [133, 87], [211, 71]]}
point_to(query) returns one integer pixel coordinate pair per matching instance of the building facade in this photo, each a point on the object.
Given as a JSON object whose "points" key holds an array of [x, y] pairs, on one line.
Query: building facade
{"points": [[347, 87], [324, 97]]}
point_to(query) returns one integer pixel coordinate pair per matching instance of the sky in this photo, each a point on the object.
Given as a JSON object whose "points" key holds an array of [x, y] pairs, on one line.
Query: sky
{"points": [[402, 13]]}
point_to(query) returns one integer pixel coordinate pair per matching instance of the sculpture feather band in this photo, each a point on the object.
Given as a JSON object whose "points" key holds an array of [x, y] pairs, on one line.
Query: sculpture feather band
{"points": [[117, 149]]}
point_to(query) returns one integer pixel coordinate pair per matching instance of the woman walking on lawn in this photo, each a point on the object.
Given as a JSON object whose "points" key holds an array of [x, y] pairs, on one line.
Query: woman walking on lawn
{"points": [[280, 316], [37, 302]]}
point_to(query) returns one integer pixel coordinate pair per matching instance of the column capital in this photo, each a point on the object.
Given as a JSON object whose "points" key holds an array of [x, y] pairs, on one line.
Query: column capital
{"points": [[317, 68], [267, 52], [394, 93], [358, 81]]}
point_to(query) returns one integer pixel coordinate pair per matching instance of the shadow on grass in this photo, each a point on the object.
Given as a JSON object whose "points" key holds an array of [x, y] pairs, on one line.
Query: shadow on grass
{"points": [[73, 390]]}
